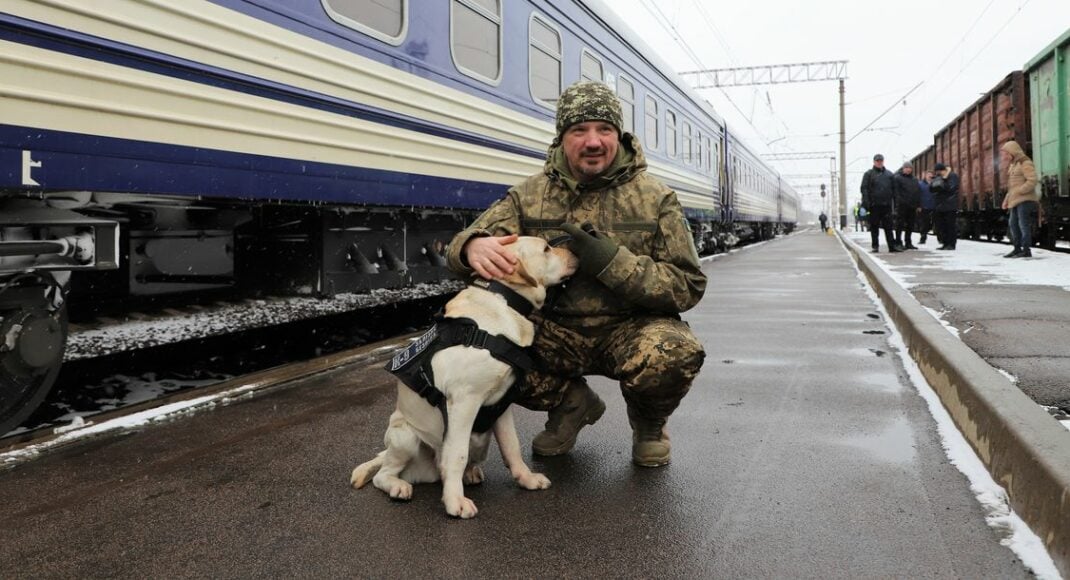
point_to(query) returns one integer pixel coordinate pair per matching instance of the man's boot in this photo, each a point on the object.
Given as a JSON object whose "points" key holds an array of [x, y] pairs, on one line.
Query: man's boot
{"points": [[581, 406], [650, 441]]}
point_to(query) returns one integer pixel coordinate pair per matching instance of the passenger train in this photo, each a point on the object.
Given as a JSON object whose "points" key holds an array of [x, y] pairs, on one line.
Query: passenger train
{"points": [[151, 148]]}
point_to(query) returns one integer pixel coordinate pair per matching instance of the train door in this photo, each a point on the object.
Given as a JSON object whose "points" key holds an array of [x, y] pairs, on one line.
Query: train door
{"points": [[726, 177]]}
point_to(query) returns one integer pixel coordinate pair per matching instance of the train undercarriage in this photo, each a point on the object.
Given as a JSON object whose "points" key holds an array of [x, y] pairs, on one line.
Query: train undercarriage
{"points": [[75, 255]]}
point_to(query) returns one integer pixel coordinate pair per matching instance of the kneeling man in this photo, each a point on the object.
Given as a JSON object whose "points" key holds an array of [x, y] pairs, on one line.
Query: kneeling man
{"points": [[619, 316]]}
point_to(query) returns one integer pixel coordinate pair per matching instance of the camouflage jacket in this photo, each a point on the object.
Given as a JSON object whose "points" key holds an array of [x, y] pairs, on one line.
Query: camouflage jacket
{"points": [[656, 269]]}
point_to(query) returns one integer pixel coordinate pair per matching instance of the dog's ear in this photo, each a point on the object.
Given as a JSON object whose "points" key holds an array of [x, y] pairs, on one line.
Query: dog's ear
{"points": [[521, 277]]}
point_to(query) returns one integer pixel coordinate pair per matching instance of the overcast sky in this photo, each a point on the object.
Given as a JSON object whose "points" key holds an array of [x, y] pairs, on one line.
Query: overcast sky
{"points": [[958, 49]]}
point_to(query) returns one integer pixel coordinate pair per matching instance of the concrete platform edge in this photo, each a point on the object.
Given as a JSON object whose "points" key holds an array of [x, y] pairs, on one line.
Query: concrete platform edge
{"points": [[1026, 451]]}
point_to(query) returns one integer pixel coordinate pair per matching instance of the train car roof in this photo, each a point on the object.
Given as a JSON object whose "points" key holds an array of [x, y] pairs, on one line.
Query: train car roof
{"points": [[1046, 53]]}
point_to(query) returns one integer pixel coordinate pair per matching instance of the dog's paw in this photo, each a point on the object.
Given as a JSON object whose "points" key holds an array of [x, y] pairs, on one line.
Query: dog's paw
{"points": [[359, 478], [473, 475], [533, 481], [394, 487], [460, 507], [400, 490]]}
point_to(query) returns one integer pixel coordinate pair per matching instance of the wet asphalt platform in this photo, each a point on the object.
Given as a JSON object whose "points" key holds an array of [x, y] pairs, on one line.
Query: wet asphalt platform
{"points": [[801, 451]]}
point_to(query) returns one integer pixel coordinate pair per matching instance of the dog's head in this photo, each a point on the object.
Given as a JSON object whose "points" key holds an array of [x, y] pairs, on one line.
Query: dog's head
{"points": [[539, 265]]}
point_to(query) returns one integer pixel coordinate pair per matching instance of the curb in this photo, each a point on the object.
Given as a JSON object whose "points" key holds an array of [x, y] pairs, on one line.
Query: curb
{"points": [[1023, 448]]}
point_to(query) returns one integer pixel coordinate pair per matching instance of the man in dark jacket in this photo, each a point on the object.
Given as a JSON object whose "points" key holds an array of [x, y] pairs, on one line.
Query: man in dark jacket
{"points": [[945, 188], [907, 198], [925, 214], [878, 198]]}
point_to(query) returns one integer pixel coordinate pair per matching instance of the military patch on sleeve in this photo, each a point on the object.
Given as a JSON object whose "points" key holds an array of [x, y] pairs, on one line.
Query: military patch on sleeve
{"points": [[412, 352]]}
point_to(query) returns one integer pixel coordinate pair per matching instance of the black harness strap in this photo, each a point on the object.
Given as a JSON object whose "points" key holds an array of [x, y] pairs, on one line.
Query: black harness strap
{"points": [[514, 300], [412, 365]]}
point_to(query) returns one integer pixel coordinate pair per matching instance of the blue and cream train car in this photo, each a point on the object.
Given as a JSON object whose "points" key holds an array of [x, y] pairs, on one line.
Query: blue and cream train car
{"points": [[156, 148]]}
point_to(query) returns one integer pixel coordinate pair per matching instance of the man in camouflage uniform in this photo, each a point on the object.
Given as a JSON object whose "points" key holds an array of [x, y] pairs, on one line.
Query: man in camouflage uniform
{"points": [[619, 315]]}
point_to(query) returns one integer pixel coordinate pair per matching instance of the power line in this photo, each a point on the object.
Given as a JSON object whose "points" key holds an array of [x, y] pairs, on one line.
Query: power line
{"points": [[668, 26], [888, 110], [962, 69]]}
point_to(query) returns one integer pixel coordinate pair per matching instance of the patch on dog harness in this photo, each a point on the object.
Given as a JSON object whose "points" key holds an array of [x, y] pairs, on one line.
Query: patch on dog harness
{"points": [[412, 365], [411, 352]]}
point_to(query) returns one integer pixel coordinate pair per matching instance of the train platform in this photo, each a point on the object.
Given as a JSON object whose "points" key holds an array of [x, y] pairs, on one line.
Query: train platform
{"points": [[1015, 313], [808, 447]]}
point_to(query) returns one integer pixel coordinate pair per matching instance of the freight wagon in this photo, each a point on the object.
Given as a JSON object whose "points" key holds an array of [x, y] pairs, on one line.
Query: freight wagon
{"points": [[1031, 107]]}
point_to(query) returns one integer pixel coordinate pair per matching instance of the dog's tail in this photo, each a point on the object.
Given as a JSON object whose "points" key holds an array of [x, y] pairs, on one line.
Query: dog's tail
{"points": [[365, 471]]}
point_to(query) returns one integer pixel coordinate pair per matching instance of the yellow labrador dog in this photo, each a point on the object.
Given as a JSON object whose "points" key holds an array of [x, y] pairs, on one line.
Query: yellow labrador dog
{"points": [[425, 442]]}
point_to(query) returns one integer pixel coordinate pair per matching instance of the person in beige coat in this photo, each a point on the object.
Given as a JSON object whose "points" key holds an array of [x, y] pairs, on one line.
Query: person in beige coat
{"points": [[1021, 199]]}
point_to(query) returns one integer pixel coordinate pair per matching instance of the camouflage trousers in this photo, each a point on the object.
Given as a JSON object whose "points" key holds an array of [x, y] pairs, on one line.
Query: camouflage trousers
{"points": [[655, 358]]}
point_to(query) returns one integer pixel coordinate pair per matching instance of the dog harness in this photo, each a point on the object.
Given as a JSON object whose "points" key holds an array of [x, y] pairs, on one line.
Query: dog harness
{"points": [[412, 365]]}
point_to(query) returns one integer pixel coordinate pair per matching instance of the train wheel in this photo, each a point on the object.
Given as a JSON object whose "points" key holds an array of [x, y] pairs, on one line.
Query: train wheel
{"points": [[32, 341]]}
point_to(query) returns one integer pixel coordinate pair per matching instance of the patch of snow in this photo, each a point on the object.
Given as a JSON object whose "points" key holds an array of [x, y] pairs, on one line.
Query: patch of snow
{"points": [[1045, 268], [132, 421], [939, 315], [1009, 376], [732, 251], [993, 498], [77, 423], [236, 317]]}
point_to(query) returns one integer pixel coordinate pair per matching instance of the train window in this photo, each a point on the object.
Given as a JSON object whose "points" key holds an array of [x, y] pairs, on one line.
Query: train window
{"points": [[386, 20], [670, 133], [591, 68], [686, 136], [707, 150], [626, 92], [717, 157], [699, 154], [544, 61], [476, 38], [650, 123]]}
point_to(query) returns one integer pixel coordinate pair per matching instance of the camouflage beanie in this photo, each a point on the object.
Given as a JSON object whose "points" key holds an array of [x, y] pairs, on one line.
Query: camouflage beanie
{"points": [[588, 101]]}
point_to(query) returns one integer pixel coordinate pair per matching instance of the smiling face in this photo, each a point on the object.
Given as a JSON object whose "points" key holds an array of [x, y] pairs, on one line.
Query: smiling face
{"points": [[590, 148]]}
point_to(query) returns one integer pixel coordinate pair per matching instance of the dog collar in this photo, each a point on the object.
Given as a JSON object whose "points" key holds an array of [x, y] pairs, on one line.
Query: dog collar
{"points": [[512, 298]]}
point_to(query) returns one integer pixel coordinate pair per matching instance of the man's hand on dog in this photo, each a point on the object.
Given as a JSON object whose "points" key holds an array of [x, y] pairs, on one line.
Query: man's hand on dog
{"points": [[489, 257]]}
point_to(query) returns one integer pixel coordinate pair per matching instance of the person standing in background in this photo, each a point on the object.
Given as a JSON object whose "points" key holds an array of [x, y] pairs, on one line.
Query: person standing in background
{"points": [[945, 188], [878, 197], [1021, 200], [907, 198], [925, 212]]}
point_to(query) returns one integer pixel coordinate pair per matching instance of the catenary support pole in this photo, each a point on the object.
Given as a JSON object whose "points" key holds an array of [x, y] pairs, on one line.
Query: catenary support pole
{"points": [[843, 162]]}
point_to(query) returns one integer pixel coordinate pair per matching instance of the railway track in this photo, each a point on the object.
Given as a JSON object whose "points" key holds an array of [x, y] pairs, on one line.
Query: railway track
{"points": [[25, 446], [151, 359]]}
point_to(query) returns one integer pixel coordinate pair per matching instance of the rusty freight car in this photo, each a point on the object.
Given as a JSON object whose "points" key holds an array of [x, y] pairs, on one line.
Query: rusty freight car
{"points": [[970, 145]]}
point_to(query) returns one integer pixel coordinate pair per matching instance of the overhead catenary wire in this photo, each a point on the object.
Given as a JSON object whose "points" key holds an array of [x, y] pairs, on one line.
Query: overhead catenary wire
{"points": [[886, 111], [928, 103], [654, 10]]}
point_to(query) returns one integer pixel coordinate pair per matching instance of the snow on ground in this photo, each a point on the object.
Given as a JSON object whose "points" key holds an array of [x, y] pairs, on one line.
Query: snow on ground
{"points": [[1045, 268], [993, 498], [79, 428], [229, 318]]}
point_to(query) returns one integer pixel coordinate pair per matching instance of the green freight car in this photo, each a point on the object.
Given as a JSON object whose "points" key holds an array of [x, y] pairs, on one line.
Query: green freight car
{"points": [[1049, 102]]}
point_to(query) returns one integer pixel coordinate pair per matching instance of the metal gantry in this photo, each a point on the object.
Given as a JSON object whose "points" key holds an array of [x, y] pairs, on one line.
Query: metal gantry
{"points": [[773, 74]]}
